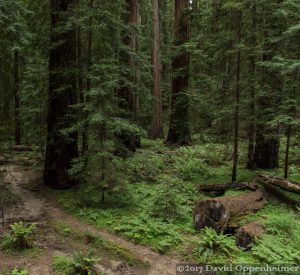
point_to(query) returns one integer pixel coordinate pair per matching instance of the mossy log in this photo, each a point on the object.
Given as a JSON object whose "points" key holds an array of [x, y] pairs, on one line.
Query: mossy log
{"points": [[247, 235], [272, 191], [280, 182], [219, 213]]}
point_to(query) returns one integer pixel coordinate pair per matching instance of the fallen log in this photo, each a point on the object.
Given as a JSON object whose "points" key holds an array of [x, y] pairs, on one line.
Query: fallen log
{"points": [[275, 192], [21, 148], [280, 182], [219, 213], [220, 188], [247, 235]]}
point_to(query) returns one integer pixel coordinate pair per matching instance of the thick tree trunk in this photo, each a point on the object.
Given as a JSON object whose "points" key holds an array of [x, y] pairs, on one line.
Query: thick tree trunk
{"points": [[128, 101], [266, 152], [61, 148], [280, 182], [17, 99], [237, 98], [221, 213], [251, 133], [156, 130], [248, 234], [179, 133], [127, 95]]}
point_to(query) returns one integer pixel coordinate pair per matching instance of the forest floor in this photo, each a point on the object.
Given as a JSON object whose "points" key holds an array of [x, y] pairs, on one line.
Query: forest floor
{"points": [[61, 234], [145, 225]]}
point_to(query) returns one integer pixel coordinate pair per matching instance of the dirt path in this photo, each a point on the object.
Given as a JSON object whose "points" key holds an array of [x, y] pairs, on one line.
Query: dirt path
{"points": [[25, 183]]}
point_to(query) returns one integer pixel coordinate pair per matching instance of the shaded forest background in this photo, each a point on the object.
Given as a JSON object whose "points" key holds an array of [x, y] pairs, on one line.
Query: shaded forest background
{"points": [[99, 75]]}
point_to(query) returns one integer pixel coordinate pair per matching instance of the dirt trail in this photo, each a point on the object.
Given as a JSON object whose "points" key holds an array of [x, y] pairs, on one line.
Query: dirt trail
{"points": [[26, 183]]}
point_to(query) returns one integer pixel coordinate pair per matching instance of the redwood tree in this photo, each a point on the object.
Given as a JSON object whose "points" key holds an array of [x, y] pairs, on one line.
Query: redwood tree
{"points": [[237, 95], [128, 101], [61, 145], [266, 151], [127, 95], [179, 118], [17, 99], [157, 119]]}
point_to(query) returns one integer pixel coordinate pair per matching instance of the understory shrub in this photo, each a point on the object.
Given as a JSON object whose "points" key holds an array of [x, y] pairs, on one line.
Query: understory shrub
{"points": [[19, 272], [148, 231], [188, 169], [81, 264], [19, 237], [212, 243], [167, 205], [144, 166]]}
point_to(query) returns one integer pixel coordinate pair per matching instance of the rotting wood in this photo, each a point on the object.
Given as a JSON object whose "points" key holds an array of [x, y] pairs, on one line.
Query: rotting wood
{"points": [[218, 213], [248, 234], [280, 182]]}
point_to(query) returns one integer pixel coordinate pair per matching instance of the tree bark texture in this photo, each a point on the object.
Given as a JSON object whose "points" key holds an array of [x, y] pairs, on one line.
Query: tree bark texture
{"points": [[17, 99], [127, 94], [248, 234], [179, 133], [157, 120], [61, 147], [237, 97], [280, 182], [220, 213]]}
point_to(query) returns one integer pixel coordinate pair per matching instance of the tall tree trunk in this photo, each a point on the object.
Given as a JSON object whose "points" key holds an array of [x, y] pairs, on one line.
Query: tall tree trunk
{"points": [[237, 96], [61, 147], [128, 100], [251, 133], [157, 120], [85, 143], [179, 118], [17, 99], [127, 95], [266, 151]]}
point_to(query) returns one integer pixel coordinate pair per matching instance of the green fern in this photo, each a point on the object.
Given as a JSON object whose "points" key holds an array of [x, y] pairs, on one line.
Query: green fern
{"points": [[19, 236], [276, 250], [211, 243]]}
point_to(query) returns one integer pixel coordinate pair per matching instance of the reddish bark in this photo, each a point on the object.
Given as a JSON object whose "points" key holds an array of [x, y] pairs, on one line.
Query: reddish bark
{"points": [[61, 148]]}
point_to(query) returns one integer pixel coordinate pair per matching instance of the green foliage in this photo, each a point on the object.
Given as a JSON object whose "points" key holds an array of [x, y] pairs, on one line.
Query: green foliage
{"points": [[19, 236], [167, 204], [84, 262], [276, 250], [63, 265], [212, 243], [144, 166], [81, 264], [19, 272], [150, 231], [281, 224]]}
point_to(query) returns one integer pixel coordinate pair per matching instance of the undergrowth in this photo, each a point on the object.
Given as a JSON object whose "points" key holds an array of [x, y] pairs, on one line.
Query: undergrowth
{"points": [[154, 206]]}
